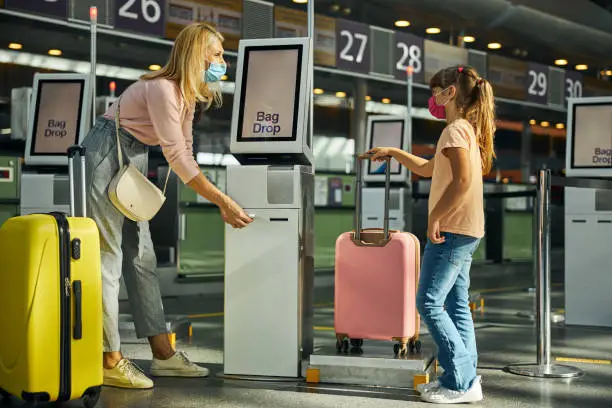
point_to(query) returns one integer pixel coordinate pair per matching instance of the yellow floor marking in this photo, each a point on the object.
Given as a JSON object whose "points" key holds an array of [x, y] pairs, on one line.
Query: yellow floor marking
{"points": [[205, 315], [583, 360], [324, 328]]}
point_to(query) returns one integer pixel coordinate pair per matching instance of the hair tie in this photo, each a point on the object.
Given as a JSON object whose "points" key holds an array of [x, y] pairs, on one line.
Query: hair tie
{"points": [[480, 81], [460, 69]]}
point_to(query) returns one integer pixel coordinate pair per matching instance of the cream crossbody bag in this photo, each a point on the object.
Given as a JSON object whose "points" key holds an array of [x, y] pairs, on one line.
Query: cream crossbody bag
{"points": [[131, 192]]}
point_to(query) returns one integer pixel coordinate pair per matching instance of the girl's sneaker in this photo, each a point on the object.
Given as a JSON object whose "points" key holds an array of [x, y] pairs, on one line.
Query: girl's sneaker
{"points": [[442, 395]]}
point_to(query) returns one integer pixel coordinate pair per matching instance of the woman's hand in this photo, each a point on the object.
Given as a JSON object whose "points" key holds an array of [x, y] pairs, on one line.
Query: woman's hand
{"points": [[234, 215], [433, 231], [380, 153]]}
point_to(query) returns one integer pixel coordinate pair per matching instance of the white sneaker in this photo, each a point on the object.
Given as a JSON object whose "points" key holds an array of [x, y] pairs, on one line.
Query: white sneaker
{"points": [[126, 375], [177, 366], [426, 387], [442, 395]]}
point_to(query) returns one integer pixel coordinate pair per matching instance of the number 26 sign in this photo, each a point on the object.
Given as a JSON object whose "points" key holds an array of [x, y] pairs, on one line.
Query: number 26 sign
{"points": [[142, 16], [352, 46]]}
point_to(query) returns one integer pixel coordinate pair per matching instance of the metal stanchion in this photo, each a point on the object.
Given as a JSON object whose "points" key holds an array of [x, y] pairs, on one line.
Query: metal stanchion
{"points": [[543, 368]]}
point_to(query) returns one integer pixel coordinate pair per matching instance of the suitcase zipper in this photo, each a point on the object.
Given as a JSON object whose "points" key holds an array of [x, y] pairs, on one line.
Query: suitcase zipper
{"points": [[65, 311]]}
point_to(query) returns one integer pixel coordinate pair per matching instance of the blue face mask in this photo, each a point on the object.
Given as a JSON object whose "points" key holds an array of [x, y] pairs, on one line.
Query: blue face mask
{"points": [[214, 73]]}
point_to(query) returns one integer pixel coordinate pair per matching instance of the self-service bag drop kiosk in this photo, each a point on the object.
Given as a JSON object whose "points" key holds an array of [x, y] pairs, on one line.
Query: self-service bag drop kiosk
{"points": [[269, 265], [59, 118], [387, 131], [588, 213]]}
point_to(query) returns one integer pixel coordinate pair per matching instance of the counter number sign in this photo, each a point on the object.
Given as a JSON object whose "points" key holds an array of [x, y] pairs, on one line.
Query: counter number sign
{"points": [[352, 46], [573, 84], [537, 83], [143, 16], [409, 53]]}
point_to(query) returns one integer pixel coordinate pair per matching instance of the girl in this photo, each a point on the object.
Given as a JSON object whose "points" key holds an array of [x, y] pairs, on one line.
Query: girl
{"points": [[156, 110], [464, 153]]}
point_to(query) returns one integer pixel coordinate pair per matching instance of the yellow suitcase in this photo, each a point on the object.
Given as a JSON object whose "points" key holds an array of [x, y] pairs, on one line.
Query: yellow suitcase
{"points": [[51, 307]]}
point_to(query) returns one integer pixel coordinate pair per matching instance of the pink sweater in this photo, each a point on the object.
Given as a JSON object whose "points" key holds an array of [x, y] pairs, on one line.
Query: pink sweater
{"points": [[152, 111]]}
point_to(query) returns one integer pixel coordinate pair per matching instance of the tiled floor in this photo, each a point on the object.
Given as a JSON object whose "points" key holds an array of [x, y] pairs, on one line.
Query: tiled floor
{"points": [[503, 338]]}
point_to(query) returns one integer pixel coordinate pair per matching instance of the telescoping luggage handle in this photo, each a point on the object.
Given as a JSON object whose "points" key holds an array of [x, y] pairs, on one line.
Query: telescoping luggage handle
{"points": [[359, 189], [72, 152]]}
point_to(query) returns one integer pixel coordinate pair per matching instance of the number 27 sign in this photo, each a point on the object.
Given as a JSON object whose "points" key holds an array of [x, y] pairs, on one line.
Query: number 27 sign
{"points": [[143, 16], [352, 46]]}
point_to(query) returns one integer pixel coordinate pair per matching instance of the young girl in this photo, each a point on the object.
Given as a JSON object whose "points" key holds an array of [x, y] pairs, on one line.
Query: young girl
{"points": [[464, 153]]}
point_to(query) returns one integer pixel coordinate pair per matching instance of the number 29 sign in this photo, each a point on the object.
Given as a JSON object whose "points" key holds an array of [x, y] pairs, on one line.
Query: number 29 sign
{"points": [[142, 16], [352, 46]]}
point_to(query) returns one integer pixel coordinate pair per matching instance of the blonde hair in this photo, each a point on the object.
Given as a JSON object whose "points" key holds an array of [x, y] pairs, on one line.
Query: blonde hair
{"points": [[476, 103], [186, 62]]}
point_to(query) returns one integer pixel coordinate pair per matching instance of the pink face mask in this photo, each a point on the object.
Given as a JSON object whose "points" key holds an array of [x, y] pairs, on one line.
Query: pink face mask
{"points": [[437, 111]]}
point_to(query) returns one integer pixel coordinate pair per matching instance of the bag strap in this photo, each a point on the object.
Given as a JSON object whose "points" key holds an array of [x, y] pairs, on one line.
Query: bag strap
{"points": [[120, 153]]}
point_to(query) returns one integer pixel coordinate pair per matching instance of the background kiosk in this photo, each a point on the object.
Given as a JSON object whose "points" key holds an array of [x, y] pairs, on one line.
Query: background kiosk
{"points": [[588, 214], [59, 118], [269, 266], [387, 131]]}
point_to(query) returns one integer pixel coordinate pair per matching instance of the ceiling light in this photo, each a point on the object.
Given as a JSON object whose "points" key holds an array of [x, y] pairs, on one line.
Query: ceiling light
{"points": [[433, 30], [386, 100], [340, 94], [494, 46], [55, 52], [154, 67], [532, 122], [545, 124], [609, 72], [402, 23], [469, 39], [318, 91], [582, 67], [368, 98], [560, 126], [15, 46], [561, 61], [300, 1]]}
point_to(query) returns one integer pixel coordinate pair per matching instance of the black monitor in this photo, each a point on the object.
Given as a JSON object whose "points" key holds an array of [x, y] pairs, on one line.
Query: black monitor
{"points": [[58, 118], [386, 131]]}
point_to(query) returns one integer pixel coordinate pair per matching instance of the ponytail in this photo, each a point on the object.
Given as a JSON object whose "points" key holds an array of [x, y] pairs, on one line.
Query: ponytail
{"points": [[481, 114], [475, 102]]}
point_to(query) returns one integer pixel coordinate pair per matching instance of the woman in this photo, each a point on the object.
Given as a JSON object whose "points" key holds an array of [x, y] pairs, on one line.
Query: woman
{"points": [[464, 153], [156, 110]]}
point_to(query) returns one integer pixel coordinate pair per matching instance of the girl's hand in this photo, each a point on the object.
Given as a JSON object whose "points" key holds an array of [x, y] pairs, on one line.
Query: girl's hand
{"points": [[433, 231], [380, 153]]}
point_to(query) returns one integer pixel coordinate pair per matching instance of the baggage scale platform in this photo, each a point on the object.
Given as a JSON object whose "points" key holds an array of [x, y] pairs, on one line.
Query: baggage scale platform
{"points": [[374, 364]]}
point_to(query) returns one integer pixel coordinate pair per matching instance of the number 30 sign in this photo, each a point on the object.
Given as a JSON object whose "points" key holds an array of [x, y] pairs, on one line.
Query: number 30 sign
{"points": [[143, 16]]}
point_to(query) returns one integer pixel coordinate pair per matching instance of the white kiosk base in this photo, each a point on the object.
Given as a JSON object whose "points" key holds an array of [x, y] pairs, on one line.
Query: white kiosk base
{"points": [[588, 274], [399, 209], [43, 193], [269, 272]]}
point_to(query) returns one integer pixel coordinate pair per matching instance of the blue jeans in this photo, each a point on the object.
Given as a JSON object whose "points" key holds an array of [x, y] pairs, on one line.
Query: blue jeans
{"points": [[443, 303]]}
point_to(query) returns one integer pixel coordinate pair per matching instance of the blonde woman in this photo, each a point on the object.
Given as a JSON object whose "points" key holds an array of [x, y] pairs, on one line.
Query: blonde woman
{"points": [[156, 110]]}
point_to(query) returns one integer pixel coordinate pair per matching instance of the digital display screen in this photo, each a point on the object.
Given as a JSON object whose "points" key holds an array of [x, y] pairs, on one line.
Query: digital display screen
{"points": [[269, 96], [57, 116], [388, 133], [592, 136]]}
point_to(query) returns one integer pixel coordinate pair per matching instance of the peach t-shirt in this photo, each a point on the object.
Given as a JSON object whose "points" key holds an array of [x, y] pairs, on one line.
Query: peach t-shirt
{"points": [[468, 216], [154, 113]]}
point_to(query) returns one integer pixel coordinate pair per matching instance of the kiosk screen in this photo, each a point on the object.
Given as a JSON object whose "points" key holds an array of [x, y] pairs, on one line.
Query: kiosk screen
{"points": [[269, 98], [387, 133], [57, 117], [592, 136]]}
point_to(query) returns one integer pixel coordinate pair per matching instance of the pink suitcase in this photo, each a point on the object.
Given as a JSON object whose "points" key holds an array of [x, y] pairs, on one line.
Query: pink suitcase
{"points": [[375, 283]]}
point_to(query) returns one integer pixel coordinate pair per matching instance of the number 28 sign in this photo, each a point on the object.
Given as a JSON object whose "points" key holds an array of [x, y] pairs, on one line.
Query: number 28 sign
{"points": [[352, 46], [143, 16]]}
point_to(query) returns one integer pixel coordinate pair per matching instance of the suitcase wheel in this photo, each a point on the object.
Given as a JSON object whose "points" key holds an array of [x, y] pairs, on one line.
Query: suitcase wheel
{"points": [[342, 346], [357, 343], [415, 346], [91, 397], [400, 349]]}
